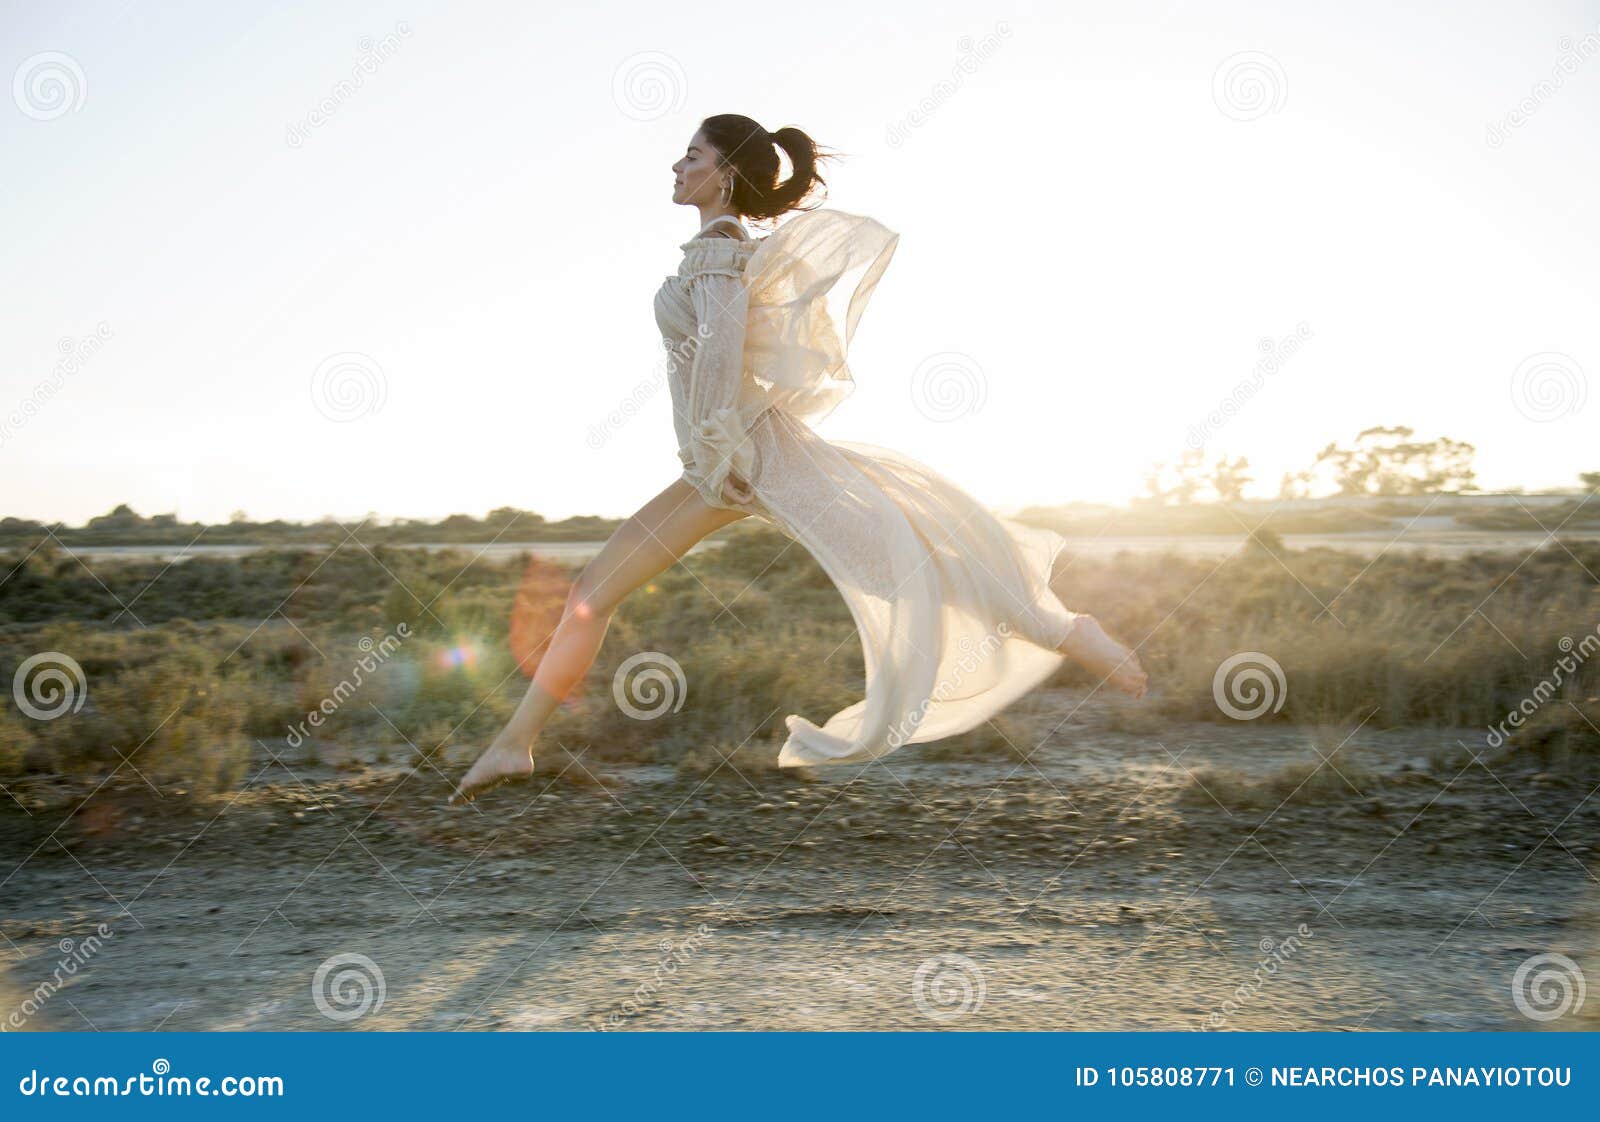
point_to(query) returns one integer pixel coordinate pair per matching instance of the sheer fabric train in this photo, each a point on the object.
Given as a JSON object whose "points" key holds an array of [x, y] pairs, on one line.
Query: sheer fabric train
{"points": [[952, 603]]}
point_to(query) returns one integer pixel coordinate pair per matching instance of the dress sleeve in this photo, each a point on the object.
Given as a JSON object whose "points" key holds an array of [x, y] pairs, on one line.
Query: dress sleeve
{"points": [[720, 458]]}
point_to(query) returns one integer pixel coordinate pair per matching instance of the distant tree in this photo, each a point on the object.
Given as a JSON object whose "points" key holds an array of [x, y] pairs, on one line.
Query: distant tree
{"points": [[1445, 465], [1176, 483], [1295, 485], [1189, 475], [1181, 483], [1590, 480], [1348, 468], [505, 516], [238, 516], [121, 516], [1154, 494], [1229, 479], [1387, 461]]}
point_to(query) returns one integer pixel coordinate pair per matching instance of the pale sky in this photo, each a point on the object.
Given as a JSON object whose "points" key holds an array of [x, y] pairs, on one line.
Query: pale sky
{"points": [[1101, 219]]}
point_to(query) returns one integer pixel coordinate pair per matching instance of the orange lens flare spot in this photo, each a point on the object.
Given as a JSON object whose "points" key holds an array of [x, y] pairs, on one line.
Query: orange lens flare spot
{"points": [[536, 612]]}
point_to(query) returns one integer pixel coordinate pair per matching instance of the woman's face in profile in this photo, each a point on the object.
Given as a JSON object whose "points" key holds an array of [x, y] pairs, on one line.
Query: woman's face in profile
{"points": [[697, 180]]}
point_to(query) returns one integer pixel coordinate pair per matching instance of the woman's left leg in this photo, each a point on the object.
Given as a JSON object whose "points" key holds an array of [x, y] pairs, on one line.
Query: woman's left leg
{"points": [[645, 545]]}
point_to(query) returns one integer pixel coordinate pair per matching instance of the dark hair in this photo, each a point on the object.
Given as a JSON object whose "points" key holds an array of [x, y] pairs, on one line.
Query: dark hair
{"points": [[753, 154]]}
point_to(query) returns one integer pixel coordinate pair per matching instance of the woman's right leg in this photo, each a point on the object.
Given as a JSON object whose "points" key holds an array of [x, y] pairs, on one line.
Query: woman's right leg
{"points": [[644, 546], [1090, 647]]}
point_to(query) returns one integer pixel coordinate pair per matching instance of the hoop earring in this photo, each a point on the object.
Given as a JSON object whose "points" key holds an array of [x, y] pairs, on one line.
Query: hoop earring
{"points": [[727, 190]]}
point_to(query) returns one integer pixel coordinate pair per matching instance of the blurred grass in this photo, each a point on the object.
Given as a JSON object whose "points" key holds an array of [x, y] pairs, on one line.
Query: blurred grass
{"points": [[194, 670]]}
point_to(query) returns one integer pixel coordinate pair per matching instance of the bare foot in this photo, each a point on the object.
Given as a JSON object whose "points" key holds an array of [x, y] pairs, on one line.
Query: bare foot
{"points": [[1091, 648], [501, 762]]}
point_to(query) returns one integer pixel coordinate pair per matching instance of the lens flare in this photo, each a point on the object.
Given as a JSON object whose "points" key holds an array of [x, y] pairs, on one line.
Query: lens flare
{"points": [[536, 611], [462, 656]]}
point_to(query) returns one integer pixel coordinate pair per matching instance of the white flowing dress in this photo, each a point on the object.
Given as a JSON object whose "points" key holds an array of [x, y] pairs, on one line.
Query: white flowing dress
{"points": [[952, 603]]}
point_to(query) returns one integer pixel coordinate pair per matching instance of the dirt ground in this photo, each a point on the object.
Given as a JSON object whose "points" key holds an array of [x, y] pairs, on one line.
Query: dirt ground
{"points": [[1097, 885]]}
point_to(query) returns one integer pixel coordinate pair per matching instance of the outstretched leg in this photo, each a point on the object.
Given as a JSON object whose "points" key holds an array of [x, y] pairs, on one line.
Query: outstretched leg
{"points": [[1090, 647], [645, 545]]}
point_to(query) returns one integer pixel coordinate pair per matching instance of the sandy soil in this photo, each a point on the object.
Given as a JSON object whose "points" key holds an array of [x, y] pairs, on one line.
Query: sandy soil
{"points": [[1095, 887]]}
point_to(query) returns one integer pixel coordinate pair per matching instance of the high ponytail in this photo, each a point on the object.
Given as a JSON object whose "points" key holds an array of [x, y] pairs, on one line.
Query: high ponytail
{"points": [[752, 152], [803, 157]]}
